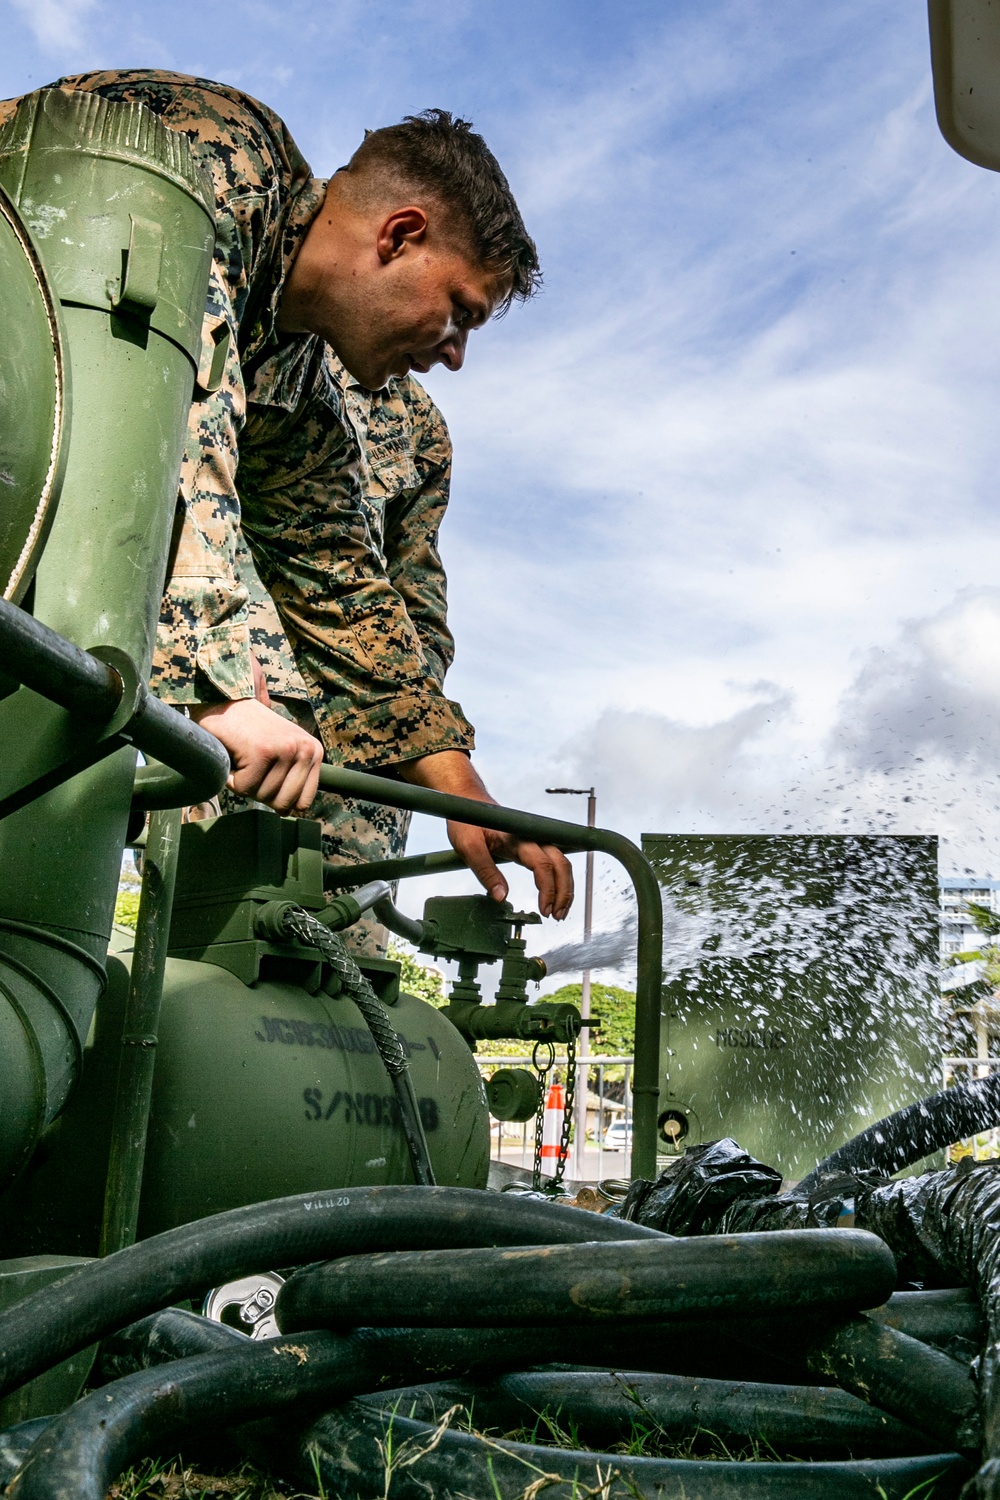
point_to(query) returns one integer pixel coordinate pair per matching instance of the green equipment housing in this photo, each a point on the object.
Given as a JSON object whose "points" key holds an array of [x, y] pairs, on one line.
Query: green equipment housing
{"points": [[800, 994]]}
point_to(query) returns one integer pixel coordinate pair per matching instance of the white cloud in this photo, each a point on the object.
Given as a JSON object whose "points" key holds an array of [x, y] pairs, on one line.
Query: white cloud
{"points": [[935, 693], [58, 26], [647, 765]]}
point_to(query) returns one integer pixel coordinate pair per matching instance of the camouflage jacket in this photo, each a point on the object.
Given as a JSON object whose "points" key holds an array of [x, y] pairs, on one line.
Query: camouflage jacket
{"points": [[362, 607]]}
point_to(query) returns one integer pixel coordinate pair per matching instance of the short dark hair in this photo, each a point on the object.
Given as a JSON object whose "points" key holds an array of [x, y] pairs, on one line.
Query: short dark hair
{"points": [[444, 156]]}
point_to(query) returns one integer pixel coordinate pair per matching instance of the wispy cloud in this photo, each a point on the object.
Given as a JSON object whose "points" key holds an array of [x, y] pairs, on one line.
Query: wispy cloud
{"points": [[934, 692], [58, 26]]}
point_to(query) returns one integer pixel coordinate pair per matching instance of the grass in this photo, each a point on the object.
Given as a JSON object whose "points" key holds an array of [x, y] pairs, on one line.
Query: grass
{"points": [[647, 1440], [171, 1479]]}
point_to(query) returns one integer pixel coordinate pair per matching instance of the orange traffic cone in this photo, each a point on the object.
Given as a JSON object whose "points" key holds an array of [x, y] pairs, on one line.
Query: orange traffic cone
{"points": [[552, 1124]]}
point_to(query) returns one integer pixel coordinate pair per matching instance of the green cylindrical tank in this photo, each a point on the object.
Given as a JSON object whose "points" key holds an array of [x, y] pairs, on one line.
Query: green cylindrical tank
{"points": [[266, 1089], [261, 1089], [122, 222]]}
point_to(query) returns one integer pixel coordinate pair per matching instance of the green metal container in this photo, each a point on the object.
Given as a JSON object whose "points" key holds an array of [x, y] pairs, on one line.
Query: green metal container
{"points": [[800, 996], [114, 224], [260, 1090], [266, 1089], [267, 1081]]}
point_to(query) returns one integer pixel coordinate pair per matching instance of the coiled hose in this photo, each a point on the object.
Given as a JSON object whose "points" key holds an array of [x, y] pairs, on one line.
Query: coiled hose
{"points": [[299, 923], [659, 1287], [348, 1447], [80, 1452], [108, 1294]]}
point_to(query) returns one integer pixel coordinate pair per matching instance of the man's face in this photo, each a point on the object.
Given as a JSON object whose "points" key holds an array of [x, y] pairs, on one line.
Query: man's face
{"points": [[444, 296], [418, 312], [391, 296]]}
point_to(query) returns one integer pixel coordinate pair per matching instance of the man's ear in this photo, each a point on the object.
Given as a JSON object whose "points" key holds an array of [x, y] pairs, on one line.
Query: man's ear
{"points": [[404, 226]]}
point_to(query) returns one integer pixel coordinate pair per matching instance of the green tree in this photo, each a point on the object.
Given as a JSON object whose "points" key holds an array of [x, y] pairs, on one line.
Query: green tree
{"points": [[616, 1009], [988, 923], [426, 984], [127, 909]]}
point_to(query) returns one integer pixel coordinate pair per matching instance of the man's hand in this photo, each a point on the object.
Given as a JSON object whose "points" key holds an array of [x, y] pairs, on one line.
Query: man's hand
{"points": [[452, 771], [274, 760]]}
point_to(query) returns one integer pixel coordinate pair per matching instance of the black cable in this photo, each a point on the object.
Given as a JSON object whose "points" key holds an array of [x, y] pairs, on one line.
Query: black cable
{"points": [[602, 1407], [901, 1375], [348, 1447], [79, 1453], [46, 1327]]}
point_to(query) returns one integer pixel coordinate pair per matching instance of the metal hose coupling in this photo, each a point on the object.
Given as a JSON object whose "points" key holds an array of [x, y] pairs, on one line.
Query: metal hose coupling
{"points": [[297, 923]]}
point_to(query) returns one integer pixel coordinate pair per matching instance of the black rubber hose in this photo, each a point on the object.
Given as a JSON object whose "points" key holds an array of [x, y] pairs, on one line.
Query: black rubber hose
{"points": [[79, 1453], [902, 1376], [935, 1317], [843, 1269], [603, 1407], [348, 1447], [104, 1295], [15, 1444], [912, 1133], [173, 1333]]}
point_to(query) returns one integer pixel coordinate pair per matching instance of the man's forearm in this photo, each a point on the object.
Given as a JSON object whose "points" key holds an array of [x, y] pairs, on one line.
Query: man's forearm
{"points": [[448, 771], [453, 772]]}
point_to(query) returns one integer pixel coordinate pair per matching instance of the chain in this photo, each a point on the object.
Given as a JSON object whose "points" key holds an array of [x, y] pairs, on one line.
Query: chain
{"points": [[567, 1120], [543, 1070]]}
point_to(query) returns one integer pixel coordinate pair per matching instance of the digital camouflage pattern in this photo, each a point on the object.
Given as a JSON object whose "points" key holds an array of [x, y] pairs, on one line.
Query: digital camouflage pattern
{"points": [[406, 466], [362, 608]]}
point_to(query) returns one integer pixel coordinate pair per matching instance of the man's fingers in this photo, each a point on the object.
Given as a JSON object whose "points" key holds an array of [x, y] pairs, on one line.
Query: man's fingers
{"points": [[471, 844], [276, 762], [537, 860], [553, 877], [311, 784], [563, 872], [551, 869], [287, 782]]}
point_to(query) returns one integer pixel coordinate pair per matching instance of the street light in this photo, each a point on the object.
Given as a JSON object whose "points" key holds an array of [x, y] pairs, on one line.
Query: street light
{"points": [[588, 917]]}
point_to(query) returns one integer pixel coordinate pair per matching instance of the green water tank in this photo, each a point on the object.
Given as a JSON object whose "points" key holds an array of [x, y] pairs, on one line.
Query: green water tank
{"points": [[800, 994], [267, 1081], [267, 1089]]}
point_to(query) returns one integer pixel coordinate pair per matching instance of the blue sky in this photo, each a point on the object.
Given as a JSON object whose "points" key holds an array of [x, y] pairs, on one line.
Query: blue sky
{"points": [[725, 536]]}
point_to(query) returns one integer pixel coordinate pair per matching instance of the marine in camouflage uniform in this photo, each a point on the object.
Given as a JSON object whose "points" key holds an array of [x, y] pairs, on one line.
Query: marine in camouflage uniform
{"points": [[339, 495], [406, 468]]}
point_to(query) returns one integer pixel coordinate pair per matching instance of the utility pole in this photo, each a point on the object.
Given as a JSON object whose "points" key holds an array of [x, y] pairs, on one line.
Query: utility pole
{"points": [[583, 1048]]}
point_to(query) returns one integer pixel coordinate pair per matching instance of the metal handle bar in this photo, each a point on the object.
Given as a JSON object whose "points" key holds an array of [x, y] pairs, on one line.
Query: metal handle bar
{"points": [[80, 682], [570, 837]]}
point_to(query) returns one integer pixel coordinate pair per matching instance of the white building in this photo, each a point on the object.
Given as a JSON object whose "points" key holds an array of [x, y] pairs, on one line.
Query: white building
{"points": [[959, 933]]}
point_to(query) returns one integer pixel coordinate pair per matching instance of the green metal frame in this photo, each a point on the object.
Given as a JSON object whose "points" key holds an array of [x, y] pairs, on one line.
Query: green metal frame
{"points": [[572, 838]]}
